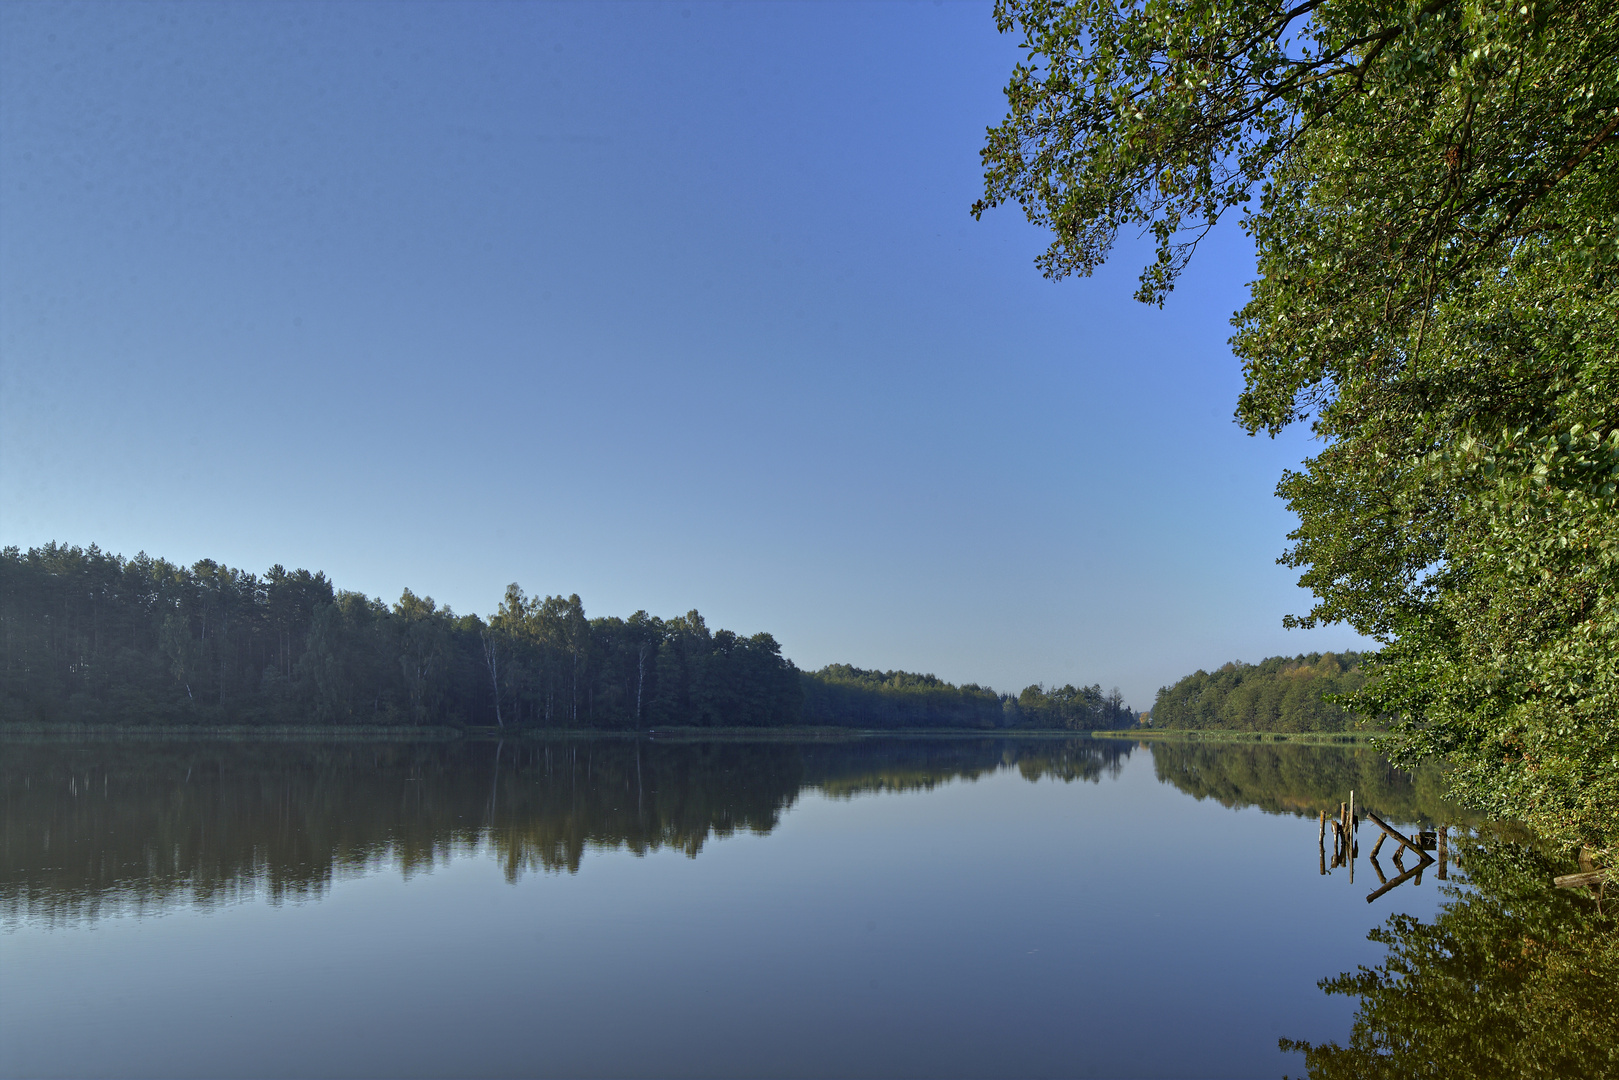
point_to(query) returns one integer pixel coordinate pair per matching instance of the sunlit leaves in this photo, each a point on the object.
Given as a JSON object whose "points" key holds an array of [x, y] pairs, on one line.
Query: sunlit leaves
{"points": [[1437, 231]]}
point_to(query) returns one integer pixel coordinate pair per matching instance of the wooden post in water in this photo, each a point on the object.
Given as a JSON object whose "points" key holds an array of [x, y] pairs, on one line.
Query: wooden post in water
{"points": [[1444, 835], [1392, 833], [1417, 837], [1349, 833]]}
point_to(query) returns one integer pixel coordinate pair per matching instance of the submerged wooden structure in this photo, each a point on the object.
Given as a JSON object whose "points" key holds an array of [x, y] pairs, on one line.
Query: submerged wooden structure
{"points": [[1345, 852], [1345, 849]]}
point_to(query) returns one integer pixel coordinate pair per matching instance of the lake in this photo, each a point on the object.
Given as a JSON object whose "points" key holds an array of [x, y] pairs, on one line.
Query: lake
{"points": [[668, 906]]}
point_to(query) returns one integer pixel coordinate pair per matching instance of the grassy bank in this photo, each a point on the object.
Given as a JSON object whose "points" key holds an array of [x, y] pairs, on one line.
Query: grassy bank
{"points": [[1302, 738]]}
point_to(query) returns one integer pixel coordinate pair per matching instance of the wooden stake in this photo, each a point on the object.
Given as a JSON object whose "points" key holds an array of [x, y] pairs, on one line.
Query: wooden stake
{"points": [[1444, 832]]}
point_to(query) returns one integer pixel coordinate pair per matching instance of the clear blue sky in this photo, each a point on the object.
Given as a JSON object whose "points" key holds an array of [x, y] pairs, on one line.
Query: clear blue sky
{"points": [[671, 306]]}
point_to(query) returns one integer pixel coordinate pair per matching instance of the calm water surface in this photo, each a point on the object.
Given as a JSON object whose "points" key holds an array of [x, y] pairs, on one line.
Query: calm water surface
{"points": [[877, 907]]}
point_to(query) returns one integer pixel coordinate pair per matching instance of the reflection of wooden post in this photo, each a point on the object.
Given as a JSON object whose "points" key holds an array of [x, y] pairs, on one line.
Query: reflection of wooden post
{"points": [[1417, 837], [1382, 877], [1444, 834], [1321, 841]]}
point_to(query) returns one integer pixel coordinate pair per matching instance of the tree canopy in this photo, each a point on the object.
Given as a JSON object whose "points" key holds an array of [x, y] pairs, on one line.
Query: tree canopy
{"points": [[1432, 195]]}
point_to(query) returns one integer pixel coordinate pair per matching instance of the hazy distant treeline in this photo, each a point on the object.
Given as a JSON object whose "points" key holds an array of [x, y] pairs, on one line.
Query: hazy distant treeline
{"points": [[88, 637], [1279, 694], [891, 699]]}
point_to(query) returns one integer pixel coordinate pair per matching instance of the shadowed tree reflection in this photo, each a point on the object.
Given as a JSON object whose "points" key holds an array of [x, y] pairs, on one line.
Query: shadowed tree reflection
{"points": [[1289, 779], [1513, 979], [132, 826]]}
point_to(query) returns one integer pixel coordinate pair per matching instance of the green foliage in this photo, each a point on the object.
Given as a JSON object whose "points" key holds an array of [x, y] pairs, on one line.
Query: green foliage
{"points": [[1513, 978], [1278, 694], [1436, 240]]}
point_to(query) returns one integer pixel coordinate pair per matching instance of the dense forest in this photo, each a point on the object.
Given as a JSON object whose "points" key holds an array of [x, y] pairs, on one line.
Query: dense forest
{"points": [[1431, 191], [1279, 694], [88, 637]]}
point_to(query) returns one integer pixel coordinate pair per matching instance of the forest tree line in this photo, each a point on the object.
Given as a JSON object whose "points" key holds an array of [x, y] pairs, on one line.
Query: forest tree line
{"points": [[1282, 693], [90, 637]]}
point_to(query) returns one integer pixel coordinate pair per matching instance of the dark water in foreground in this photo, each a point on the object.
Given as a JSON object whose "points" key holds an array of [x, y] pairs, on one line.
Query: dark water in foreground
{"points": [[883, 907]]}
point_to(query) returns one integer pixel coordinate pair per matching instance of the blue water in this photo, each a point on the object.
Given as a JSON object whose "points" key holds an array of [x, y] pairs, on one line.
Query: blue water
{"points": [[981, 924]]}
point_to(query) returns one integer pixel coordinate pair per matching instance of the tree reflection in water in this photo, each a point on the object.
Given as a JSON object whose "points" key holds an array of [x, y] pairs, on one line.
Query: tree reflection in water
{"points": [[1303, 780], [1513, 979], [139, 825]]}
